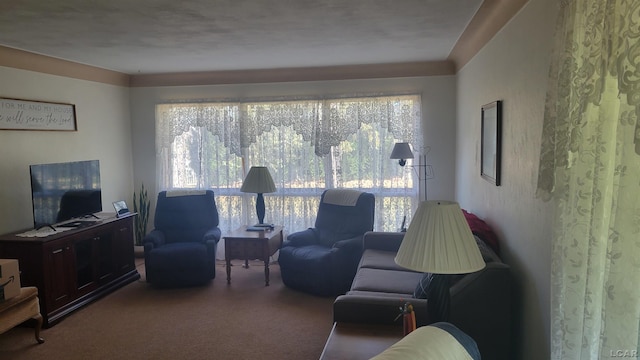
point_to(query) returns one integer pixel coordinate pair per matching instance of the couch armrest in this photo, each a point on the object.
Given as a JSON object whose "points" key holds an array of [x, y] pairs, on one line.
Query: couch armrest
{"points": [[481, 307], [301, 238], [352, 244], [373, 309], [387, 241]]}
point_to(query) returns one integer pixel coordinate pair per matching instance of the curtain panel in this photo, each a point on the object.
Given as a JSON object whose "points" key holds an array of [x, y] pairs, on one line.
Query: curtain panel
{"points": [[590, 168], [308, 145]]}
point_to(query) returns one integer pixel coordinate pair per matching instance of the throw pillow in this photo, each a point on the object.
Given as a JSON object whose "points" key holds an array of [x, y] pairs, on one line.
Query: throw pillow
{"points": [[423, 285]]}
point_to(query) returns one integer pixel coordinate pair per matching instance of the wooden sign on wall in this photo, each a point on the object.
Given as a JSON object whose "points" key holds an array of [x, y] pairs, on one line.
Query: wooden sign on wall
{"points": [[16, 114]]}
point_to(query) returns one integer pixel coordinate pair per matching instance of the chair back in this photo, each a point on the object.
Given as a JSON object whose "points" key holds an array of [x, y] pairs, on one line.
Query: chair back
{"points": [[185, 216], [344, 214]]}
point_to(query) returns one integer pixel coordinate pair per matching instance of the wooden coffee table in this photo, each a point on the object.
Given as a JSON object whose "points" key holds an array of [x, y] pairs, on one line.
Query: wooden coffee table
{"points": [[249, 245], [350, 341]]}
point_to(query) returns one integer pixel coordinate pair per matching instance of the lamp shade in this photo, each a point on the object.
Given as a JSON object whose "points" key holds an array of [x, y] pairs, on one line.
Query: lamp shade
{"points": [[401, 150], [439, 241], [258, 181]]}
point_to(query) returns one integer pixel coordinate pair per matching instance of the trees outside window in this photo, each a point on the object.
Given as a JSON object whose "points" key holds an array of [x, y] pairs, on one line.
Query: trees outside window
{"points": [[308, 145]]}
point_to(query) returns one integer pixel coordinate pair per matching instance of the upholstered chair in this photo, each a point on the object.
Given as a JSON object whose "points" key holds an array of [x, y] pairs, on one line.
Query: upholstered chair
{"points": [[323, 260], [181, 249]]}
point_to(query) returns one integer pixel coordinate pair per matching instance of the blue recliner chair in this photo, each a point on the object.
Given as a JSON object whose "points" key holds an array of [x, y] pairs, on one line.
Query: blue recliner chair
{"points": [[323, 260], [181, 249]]}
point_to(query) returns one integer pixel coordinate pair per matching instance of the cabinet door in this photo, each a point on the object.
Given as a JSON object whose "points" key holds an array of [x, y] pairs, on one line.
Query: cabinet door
{"points": [[123, 246], [104, 257], [85, 269], [59, 274]]}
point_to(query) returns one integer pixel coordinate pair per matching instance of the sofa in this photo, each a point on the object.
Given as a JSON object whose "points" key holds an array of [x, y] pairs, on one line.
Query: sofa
{"points": [[480, 301]]}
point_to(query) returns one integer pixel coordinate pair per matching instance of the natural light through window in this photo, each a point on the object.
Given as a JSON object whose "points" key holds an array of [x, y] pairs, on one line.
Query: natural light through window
{"points": [[308, 145]]}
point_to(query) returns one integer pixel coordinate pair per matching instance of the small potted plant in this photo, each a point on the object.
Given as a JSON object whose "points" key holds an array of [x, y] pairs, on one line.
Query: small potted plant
{"points": [[141, 205]]}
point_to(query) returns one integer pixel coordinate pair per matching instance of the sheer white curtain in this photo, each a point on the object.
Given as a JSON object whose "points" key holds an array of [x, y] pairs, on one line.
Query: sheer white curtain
{"points": [[590, 168], [308, 145]]}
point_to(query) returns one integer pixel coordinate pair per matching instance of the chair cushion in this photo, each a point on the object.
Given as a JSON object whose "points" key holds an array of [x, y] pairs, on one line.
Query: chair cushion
{"points": [[181, 255], [306, 257], [441, 341]]}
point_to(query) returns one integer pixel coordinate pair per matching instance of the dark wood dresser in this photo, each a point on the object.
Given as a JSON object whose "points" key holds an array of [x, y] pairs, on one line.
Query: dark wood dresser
{"points": [[75, 267]]}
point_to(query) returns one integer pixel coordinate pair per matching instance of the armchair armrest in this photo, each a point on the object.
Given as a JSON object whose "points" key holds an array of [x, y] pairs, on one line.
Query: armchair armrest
{"points": [[153, 239], [213, 235], [302, 238], [386, 241], [371, 309], [351, 244]]}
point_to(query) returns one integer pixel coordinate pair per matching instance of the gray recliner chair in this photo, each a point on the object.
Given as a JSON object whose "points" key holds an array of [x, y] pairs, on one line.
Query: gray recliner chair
{"points": [[323, 260], [181, 249]]}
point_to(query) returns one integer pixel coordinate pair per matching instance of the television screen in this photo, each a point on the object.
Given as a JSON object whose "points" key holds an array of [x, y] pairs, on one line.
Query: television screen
{"points": [[64, 191]]}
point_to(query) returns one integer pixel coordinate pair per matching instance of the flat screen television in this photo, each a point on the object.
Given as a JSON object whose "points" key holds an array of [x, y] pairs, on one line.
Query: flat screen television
{"points": [[64, 191]]}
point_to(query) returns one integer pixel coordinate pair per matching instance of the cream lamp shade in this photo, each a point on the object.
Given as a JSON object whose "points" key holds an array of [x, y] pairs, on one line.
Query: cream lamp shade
{"points": [[258, 181], [439, 241], [401, 151]]}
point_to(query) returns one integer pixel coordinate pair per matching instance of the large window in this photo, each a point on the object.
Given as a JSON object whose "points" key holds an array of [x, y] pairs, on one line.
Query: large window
{"points": [[308, 145]]}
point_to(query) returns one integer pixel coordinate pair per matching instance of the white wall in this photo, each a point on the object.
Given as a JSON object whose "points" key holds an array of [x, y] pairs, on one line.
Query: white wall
{"points": [[104, 133], [438, 111], [513, 68]]}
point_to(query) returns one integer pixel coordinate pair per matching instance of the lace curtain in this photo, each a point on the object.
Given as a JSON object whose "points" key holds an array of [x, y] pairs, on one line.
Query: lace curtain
{"points": [[308, 145], [590, 168]]}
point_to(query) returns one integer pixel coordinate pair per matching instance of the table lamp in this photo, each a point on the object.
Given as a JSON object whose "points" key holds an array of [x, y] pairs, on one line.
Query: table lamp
{"points": [[258, 181], [439, 241]]}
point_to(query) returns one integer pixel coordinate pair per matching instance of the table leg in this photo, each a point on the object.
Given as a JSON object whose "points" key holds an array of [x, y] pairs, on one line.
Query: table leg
{"points": [[228, 271], [266, 272]]}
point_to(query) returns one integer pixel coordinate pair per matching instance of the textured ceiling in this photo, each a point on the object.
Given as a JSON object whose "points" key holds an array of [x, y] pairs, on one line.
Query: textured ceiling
{"points": [[160, 36]]}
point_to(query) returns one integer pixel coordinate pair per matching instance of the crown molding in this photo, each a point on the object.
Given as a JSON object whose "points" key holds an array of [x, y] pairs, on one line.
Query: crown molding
{"points": [[25, 60], [346, 72], [490, 18]]}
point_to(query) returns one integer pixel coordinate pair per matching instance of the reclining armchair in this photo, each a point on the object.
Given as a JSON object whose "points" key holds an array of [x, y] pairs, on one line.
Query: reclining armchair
{"points": [[181, 249], [323, 260]]}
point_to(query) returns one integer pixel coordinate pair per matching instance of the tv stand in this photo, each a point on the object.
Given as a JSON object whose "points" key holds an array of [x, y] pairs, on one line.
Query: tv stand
{"points": [[75, 267]]}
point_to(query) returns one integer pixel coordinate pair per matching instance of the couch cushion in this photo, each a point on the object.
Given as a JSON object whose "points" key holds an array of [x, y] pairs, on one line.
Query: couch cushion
{"points": [[388, 281], [380, 259]]}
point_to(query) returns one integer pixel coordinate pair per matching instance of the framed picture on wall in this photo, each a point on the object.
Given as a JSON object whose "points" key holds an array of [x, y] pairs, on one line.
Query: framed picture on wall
{"points": [[491, 142]]}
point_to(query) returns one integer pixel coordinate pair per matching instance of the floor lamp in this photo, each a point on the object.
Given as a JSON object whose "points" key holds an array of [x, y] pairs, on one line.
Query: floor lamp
{"points": [[439, 241], [402, 151]]}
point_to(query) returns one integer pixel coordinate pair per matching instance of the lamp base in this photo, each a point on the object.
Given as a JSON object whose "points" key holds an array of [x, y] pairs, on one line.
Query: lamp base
{"points": [[439, 298]]}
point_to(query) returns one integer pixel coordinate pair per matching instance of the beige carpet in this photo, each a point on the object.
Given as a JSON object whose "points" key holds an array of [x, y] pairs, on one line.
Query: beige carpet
{"points": [[244, 320]]}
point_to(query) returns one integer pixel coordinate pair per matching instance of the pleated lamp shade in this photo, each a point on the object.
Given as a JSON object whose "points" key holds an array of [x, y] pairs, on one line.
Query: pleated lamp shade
{"points": [[258, 181], [439, 241]]}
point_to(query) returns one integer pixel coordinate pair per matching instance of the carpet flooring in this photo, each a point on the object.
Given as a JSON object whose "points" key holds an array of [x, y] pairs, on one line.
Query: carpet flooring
{"points": [[243, 320]]}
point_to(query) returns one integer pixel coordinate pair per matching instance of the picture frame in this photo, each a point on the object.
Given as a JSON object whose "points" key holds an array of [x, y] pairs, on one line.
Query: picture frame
{"points": [[121, 208], [491, 142], [19, 114]]}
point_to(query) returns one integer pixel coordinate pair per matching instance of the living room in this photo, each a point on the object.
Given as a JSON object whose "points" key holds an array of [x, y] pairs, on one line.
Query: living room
{"points": [[116, 125]]}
